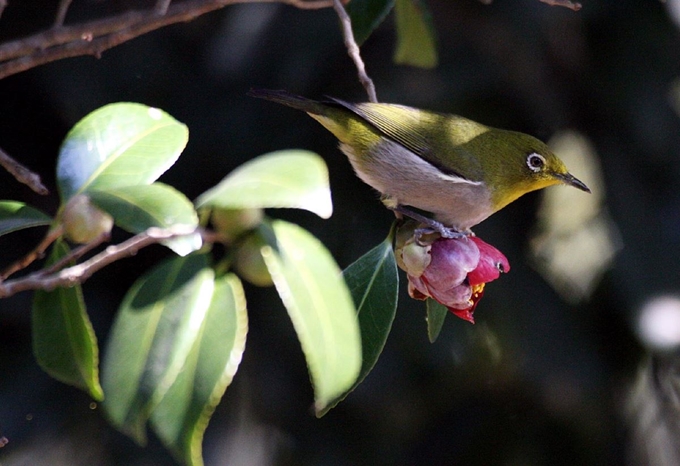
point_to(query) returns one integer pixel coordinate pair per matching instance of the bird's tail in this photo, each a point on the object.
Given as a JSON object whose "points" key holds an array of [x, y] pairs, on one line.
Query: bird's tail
{"points": [[291, 100]]}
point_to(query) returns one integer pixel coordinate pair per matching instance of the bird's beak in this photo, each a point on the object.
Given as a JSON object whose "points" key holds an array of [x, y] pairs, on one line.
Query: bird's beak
{"points": [[571, 180]]}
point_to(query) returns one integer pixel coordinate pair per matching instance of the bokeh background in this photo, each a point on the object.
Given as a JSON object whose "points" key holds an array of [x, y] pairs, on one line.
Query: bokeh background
{"points": [[573, 359]]}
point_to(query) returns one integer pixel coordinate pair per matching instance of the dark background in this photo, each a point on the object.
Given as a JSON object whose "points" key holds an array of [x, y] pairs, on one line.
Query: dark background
{"points": [[536, 381]]}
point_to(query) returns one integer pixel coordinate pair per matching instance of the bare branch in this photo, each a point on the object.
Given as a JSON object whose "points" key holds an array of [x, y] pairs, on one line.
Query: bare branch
{"points": [[36, 253], [574, 6], [95, 37], [61, 13], [353, 50], [22, 174], [50, 279], [3, 5]]}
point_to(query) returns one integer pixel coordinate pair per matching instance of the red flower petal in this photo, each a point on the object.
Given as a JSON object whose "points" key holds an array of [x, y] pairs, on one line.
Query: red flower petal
{"points": [[491, 264], [467, 313]]}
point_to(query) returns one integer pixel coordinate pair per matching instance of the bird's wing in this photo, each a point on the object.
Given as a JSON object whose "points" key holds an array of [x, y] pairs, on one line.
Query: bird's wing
{"points": [[423, 133], [399, 123]]}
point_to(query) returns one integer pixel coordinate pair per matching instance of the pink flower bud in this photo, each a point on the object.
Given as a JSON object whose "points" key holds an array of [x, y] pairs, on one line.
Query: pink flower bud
{"points": [[451, 271]]}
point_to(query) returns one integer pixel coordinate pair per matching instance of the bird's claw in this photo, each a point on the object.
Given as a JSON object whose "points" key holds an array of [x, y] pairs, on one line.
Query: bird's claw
{"points": [[444, 232], [433, 226]]}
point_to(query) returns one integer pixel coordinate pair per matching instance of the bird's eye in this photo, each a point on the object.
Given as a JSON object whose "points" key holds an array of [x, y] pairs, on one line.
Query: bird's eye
{"points": [[535, 162]]}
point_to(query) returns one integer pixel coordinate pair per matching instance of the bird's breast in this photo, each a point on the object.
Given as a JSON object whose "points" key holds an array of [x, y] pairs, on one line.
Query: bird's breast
{"points": [[405, 178]]}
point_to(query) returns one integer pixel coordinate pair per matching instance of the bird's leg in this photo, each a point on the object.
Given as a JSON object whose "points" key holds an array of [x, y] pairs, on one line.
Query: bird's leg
{"points": [[433, 226]]}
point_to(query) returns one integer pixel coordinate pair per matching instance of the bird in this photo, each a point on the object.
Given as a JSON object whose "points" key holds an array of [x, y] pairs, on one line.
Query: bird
{"points": [[453, 168]]}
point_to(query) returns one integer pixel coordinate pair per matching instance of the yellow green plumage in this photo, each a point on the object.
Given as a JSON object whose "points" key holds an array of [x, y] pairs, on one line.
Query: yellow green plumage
{"points": [[457, 169]]}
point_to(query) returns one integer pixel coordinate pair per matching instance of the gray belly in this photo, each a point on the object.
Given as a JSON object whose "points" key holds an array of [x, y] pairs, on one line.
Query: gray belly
{"points": [[404, 178]]}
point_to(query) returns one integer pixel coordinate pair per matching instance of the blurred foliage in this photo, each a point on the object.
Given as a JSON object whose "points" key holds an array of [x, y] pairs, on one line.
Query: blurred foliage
{"points": [[536, 381]]}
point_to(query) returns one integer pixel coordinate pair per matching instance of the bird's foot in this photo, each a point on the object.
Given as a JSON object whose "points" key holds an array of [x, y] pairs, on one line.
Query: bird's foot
{"points": [[437, 227], [433, 226]]}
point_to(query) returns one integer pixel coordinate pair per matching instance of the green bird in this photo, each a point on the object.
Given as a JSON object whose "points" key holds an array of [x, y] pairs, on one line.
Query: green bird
{"points": [[458, 170]]}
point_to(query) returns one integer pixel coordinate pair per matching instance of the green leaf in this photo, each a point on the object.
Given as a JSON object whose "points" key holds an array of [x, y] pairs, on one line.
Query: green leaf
{"points": [[120, 144], [373, 281], [416, 40], [64, 343], [320, 306], [182, 416], [436, 313], [153, 333], [16, 216], [291, 178], [137, 208], [366, 15]]}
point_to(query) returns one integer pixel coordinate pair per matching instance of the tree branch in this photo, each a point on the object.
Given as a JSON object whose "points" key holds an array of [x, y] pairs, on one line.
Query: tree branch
{"points": [[22, 174], [51, 278], [95, 37], [353, 50]]}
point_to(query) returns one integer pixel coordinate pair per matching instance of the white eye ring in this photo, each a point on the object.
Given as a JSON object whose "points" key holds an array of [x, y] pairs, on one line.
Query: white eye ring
{"points": [[535, 162]]}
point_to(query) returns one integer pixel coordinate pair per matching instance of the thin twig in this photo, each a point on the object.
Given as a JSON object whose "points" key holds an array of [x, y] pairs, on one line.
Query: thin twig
{"points": [[3, 5], [161, 7], [61, 13], [36, 253], [81, 272], [574, 6], [75, 254], [303, 4], [22, 174], [95, 37], [353, 50]]}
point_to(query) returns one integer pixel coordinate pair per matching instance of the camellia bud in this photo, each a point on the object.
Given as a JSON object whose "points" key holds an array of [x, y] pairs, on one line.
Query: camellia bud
{"points": [[412, 256], [232, 223], [249, 263], [83, 221], [452, 271]]}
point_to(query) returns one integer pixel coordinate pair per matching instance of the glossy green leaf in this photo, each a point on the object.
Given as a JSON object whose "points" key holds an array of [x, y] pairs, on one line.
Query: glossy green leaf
{"points": [[153, 333], [16, 216], [366, 15], [320, 305], [120, 144], [373, 281], [416, 40], [290, 178], [182, 416], [436, 314], [64, 343], [136, 208]]}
